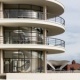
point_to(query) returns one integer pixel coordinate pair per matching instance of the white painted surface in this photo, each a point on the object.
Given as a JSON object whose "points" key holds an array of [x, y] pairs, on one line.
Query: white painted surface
{"points": [[43, 76], [51, 49], [54, 28], [51, 4]]}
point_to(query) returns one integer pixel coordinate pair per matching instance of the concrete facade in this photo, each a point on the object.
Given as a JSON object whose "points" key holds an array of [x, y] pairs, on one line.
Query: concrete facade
{"points": [[25, 30]]}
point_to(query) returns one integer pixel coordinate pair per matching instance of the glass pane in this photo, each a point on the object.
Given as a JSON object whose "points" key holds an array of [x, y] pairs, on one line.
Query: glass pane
{"points": [[23, 61], [12, 12], [14, 62], [24, 6], [27, 54], [36, 8], [14, 69], [35, 65], [26, 67], [6, 66]]}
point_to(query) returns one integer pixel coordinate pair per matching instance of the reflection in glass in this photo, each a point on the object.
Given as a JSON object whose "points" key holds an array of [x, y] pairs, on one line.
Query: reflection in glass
{"points": [[23, 61], [23, 35]]}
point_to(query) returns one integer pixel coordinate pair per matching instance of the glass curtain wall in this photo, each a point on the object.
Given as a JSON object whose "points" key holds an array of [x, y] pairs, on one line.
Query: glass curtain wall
{"points": [[18, 61], [22, 11], [23, 35]]}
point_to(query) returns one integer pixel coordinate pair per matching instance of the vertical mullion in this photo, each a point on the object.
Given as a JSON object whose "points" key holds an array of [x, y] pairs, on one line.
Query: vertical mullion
{"points": [[24, 60], [31, 61], [38, 60]]}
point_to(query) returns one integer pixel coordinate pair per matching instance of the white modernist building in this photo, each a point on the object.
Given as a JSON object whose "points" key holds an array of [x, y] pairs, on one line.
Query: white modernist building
{"points": [[25, 30]]}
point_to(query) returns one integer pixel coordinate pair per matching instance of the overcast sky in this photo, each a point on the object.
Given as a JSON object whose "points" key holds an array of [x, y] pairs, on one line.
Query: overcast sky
{"points": [[72, 33]]}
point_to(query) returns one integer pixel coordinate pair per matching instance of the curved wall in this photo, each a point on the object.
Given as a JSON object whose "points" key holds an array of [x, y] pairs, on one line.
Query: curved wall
{"points": [[51, 4], [51, 49], [18, 61], [53, 28], [36, 16]]}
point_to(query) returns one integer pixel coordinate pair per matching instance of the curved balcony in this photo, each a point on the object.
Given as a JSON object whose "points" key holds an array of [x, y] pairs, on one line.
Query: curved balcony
{"points": [[51, 4], [33, 40], [29, 14], [55, 42]]}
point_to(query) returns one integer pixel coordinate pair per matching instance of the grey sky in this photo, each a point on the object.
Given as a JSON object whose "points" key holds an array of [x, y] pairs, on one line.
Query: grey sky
{"points": [[72, 33]]}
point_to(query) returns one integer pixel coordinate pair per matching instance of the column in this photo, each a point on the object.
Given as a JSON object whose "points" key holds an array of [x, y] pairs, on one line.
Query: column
{"points": [[44, 53], [45, 12], [45, 17], [44, 36], [1, 35], [1, 27], [45, 62], [1, 10], [1, 38], [1, 61]]}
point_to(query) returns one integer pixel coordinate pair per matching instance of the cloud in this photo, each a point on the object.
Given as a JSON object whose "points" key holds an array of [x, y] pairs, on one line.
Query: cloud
{"points": [[72, 33]]}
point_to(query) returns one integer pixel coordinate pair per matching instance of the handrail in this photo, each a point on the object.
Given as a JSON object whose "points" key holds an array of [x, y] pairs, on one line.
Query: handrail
{"points": [[32, 40], [33, 15]]}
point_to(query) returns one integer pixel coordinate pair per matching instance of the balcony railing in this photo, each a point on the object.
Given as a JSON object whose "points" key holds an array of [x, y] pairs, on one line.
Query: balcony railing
{"points": [[33, 15], [55, 42], [32, 40]]}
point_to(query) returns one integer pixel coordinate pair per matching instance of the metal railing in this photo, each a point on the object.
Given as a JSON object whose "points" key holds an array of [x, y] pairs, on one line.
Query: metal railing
{"points": [[32, 40], [33, 15], [55, 42]]}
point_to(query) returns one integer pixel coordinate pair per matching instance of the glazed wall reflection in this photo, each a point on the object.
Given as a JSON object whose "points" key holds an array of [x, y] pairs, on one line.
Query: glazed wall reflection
{"points": [[23, 35], [23, 61]]}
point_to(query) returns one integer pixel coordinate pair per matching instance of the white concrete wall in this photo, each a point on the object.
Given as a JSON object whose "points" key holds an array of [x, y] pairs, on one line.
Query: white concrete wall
{"points": [[50, 48], [43, 76]]}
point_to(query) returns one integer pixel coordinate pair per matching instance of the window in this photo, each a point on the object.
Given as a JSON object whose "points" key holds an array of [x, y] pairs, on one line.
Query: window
{"points": [[23, 35], [22, 11], [23, 61]]}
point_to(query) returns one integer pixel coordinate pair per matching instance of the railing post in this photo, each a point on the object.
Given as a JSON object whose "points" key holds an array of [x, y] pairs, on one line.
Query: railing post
{"points": [[55, 42], [55, 19], [64, 44], [61, 20]]}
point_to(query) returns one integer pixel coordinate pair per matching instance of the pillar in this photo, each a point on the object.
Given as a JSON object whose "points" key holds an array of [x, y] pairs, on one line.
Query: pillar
{"points": [[45, 12], [1, 10], [1, 61], [1, 39], [45, 62], [1, 35], [1, 27], [44, 36]]}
